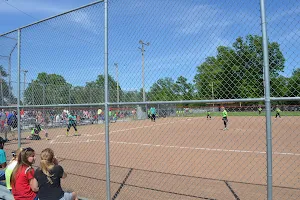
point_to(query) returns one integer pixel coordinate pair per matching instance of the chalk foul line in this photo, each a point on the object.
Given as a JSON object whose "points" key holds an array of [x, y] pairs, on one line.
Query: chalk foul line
{"points": [[178, 147]]}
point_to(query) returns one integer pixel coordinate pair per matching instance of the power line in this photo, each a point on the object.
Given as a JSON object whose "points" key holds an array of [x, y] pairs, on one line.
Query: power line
{"points": [[54, 28], [5, 1]]}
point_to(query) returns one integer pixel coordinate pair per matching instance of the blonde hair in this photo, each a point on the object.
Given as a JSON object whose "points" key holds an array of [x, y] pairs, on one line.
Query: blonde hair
{"points": [[22, 158], [47, 158]]}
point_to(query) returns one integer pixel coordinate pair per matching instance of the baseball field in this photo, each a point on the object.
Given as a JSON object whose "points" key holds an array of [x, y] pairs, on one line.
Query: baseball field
{"points": [[178, 158]]}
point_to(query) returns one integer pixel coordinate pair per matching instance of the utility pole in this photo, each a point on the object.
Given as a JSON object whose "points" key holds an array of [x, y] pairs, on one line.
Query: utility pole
{"points": [[143, 68], [117, 74], [24, 86], [212, 92]]}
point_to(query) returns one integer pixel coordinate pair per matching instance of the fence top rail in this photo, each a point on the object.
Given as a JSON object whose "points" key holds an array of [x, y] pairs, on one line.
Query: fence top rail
{"points": [[191, 101], [54, 105], [69, 11]]}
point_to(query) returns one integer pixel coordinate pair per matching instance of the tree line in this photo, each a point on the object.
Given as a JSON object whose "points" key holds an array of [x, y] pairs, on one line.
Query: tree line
{"points": [[235, 72]]}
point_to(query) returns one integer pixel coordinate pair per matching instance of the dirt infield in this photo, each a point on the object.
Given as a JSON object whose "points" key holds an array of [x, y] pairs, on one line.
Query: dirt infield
{"points": [[179, 158]]}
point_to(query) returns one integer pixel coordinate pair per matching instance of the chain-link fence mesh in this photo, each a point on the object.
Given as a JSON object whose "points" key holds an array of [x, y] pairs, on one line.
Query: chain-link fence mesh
{"points": [[285, 83], [173, 68], [8, 61]]}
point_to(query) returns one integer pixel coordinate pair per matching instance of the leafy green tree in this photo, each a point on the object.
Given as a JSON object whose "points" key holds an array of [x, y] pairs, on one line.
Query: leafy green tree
{"points": [[183, 89], [132, 96], [6, 97], [95, 91], [237, 71], [279, 86], [80, 95], [53, 89], [162, 90], [206, 81], [48, 89], [112, 88], [294, 84]]}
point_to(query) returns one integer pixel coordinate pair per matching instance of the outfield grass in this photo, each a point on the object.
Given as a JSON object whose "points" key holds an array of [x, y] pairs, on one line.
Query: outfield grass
{"points": [[283, 113]]}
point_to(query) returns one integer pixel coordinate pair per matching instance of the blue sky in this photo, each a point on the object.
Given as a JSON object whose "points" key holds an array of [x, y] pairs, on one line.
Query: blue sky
{"points": [[181, 35]]}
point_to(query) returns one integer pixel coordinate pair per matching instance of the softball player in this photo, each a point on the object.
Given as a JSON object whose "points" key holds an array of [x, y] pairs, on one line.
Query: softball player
{"points": [[72, 122], [277, 113], [259, 110], [208, 114], [225, 119], [152, 114]]}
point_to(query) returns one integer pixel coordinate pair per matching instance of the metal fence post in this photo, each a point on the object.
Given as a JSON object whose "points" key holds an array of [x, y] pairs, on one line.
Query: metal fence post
{"points": [[19, 88], [267, 100], [108, 196]]}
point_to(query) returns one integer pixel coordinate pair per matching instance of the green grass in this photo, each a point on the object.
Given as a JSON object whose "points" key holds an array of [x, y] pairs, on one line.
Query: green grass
{"points": [[219, 114]]}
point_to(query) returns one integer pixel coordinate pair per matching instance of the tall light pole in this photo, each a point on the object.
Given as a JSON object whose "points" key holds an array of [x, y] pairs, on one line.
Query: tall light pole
{"points": [[117, 74], [24, 86], [212, 92], [1, 80], [143, 68], [9, 71]]}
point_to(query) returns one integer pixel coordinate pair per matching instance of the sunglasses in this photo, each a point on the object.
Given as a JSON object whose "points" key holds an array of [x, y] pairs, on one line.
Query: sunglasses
{"points": [[27, 149]]}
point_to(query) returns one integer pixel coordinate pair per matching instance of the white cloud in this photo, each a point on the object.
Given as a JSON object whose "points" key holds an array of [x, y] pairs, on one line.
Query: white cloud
{"points": [[85, 21], [38, 10]]}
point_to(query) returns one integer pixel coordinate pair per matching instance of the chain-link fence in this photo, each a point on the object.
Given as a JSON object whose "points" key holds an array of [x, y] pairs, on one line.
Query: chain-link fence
{"points": [[160, 99]]}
